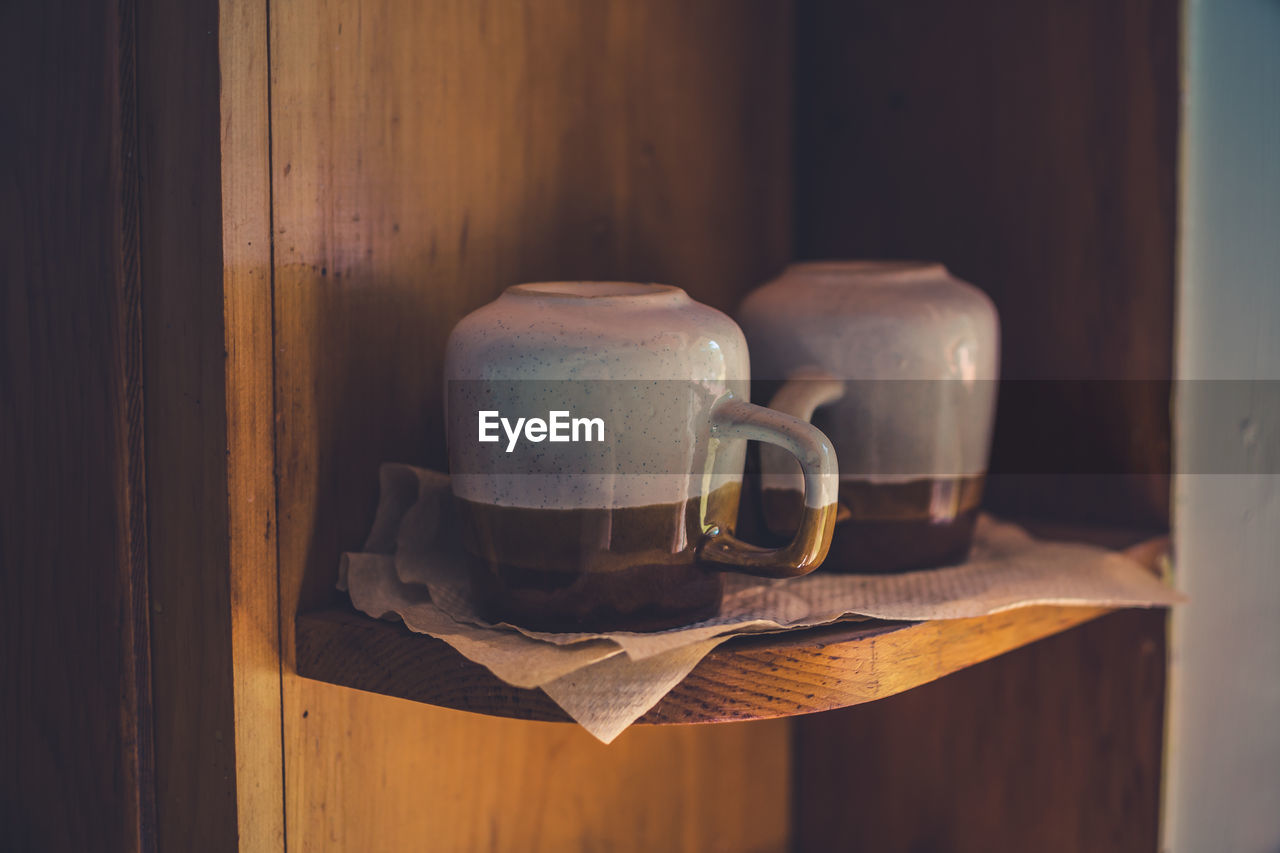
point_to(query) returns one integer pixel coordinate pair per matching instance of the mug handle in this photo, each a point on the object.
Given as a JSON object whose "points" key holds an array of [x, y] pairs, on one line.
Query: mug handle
{"points": [[806, 390], [733, 418]]}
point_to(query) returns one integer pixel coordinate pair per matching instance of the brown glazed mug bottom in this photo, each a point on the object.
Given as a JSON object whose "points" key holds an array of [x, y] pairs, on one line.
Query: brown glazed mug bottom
{"points": [[885, 547], [594, 570], [642, 598], [893, 527]]}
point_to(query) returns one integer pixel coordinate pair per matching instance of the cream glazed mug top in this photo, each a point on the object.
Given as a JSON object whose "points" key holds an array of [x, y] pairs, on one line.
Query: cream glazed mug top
{"points": [[918, 348], [669, 378]]}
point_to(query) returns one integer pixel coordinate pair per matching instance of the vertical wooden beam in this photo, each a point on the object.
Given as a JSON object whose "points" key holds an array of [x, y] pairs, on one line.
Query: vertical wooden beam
{"points": [[203, 92], [75, 719], [250, 395], [184, 375]]}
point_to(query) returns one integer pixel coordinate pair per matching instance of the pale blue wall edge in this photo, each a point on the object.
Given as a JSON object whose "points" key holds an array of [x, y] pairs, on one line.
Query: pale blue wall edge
{"points": [[1223, 761]]}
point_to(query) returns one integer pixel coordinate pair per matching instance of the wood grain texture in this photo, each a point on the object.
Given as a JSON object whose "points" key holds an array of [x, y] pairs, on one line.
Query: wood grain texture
{"points": [[1043, 749], [425, 156], [1033, 149], [408, 777], [250, 402], [75, 718], [748, 678], [745, 679], [186, 423]]}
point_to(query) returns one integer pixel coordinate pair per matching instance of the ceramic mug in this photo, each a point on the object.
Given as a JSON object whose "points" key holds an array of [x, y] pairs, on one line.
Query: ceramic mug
{"points": [[597, 433], [916, 352]]}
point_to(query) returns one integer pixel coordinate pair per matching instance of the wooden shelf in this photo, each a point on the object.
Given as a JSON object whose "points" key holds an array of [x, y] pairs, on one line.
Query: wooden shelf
{"points": [[747, 678]]}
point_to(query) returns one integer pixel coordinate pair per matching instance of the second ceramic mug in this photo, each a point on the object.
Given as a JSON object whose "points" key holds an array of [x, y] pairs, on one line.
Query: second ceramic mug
{"points": [[918, 353], [597, 435]]}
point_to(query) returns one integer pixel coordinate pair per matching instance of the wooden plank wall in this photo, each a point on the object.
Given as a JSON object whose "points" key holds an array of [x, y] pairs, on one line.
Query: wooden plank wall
{"points": [[75, 719], [1054, 747], [1031, 147], [423, 157]]}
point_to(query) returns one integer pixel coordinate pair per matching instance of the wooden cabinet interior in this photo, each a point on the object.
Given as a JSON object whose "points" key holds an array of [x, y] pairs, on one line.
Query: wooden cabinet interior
{"points": [[323, 189], [424, 157]]}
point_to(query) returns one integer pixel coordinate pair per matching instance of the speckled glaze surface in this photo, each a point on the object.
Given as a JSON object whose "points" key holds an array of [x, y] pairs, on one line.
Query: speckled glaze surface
{"points": [[916, 353], [645, 358], [892, 330], [631, 531]]}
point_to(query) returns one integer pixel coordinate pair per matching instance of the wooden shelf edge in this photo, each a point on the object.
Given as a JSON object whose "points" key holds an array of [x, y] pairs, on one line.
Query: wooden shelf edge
{"points": [[747, 678]]}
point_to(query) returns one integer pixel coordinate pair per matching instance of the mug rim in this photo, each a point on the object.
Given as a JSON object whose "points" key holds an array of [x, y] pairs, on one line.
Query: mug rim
{"points": [[594, 290], [879, 268]]}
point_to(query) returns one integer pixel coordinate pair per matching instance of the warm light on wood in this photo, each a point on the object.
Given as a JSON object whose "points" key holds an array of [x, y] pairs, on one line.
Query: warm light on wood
{"points": [[748, 678]]}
